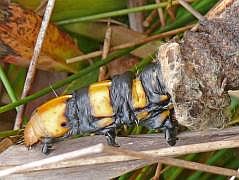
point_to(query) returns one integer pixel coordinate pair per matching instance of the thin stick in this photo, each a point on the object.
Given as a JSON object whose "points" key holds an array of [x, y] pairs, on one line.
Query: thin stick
{"points": [[191, 10], [41, 8], [161, 15], [106, 49], [171, 13], [153, 27], [196, 148], [54, 159], [158, 171], [150, 18], [130, 44], [173, 161], [107, 40], [32, 68], [116, 13]]}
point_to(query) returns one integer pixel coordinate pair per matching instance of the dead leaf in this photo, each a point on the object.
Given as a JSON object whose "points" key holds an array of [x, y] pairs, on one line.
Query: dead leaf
{"points": [[96, 30], [18, 31], [120, 35], [121, 65]]}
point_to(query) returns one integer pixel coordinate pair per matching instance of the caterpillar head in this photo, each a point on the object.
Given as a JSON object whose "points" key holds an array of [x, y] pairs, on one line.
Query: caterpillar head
{"points": [[48, 120]]}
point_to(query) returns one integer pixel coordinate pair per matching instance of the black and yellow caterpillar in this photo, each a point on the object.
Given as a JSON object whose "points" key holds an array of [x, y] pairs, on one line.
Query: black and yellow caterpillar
{"points": [[104, 106]]}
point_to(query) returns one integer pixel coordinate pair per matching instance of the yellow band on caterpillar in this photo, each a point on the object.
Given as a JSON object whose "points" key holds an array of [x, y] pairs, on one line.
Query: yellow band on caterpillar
{"points": [[164, 115], [99, 95], [139, 99], [104, 122]]}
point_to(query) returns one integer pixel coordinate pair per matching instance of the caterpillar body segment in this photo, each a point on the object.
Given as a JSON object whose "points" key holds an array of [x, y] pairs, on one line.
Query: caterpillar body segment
{"points": [[104, 106], [99, 99]]}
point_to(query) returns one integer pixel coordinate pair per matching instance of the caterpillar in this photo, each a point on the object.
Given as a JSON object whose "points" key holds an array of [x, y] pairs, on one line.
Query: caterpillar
{"points": [[103, 107]]}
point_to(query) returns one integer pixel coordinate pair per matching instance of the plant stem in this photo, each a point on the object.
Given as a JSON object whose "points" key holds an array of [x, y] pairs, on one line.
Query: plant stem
{"points": [[192, 11], [7, 85], [115, 13], [4, 134], [65, 81]]}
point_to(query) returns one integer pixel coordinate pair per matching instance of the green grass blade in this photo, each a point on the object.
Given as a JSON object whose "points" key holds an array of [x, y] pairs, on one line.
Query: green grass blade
{"points": [[7, 85], [76, 8], [4, 134], [113, 13], [16, 76]]}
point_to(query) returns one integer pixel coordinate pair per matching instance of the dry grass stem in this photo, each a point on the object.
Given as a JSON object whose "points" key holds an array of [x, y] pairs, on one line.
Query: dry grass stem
{"points": [[161, 15], [150, 18], [191, 10], [41, 8], [171, 13], [196, 148], [107, 40], [158, 171], [106, 49], [153, 27], [130, 44], [173, 161], [32, 67]]}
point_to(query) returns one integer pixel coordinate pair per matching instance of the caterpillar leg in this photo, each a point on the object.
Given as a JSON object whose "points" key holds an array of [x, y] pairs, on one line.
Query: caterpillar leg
{"points": [[170, 131], [110, 136], [47, 145]]}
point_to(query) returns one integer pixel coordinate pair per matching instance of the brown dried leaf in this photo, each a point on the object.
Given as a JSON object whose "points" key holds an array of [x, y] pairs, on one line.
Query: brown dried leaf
{"points": [[18, 31], [121, 65]]}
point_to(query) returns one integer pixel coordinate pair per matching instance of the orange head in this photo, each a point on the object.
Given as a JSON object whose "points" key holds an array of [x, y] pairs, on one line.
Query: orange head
{"points": [[48, 120]]}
